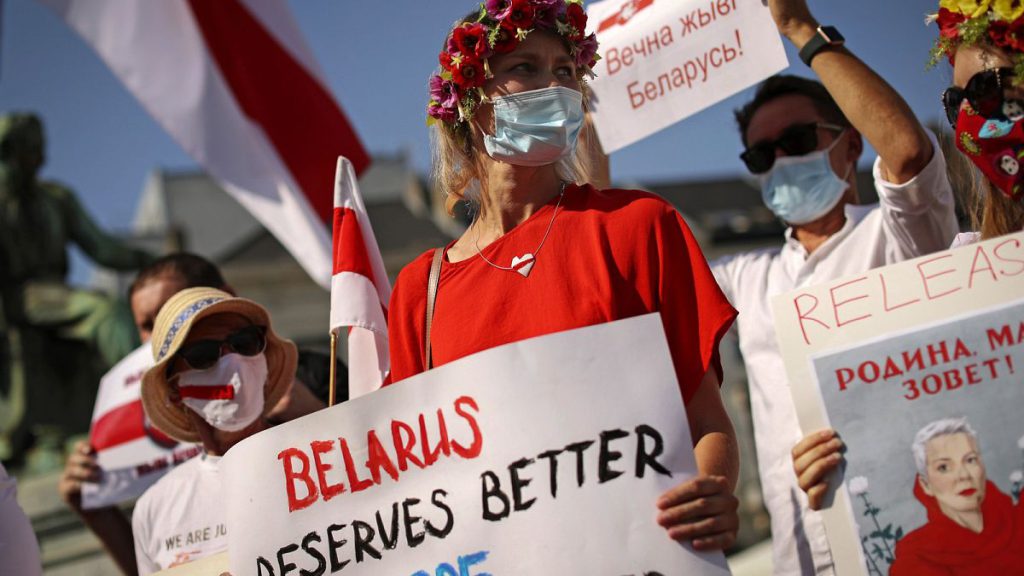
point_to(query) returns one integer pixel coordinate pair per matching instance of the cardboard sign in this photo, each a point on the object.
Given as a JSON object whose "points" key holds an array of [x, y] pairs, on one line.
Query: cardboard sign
{"points": [[664, 60], [131, 452], [882, 357], [541, 457]]}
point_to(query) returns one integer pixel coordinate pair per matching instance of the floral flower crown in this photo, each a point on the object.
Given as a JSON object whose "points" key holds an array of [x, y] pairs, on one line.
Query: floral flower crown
{"points": [[972, 22], [501, 25]]}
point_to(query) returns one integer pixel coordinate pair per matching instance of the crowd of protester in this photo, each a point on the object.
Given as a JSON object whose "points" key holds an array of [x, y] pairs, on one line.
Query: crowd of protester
{"points": [[548, 251]]}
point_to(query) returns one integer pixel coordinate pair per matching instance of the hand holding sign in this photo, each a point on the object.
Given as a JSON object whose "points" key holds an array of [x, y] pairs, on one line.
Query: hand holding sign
{"points": [[790, 16], [701, 511], [815, 457]]}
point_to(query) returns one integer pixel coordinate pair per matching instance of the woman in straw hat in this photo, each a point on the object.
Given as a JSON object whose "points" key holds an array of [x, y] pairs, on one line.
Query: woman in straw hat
{"points": [[548, 252], [219, 369]]}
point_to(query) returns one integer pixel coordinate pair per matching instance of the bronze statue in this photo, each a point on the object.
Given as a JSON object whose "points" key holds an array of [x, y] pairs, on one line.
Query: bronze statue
{"points": [[55, 340]]}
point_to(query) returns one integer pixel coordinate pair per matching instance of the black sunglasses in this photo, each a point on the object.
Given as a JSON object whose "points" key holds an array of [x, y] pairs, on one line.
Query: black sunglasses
{"points": [[204, 354], [984, 92], [796, 140]]}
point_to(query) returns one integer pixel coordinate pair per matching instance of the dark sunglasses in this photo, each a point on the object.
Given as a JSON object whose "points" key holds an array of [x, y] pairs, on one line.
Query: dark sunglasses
{"points": [[796, 140], [204, 354], [984, 92]]}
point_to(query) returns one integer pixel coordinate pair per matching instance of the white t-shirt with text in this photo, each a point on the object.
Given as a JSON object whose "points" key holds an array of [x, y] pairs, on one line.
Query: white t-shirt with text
{"points": [[181, 518]]}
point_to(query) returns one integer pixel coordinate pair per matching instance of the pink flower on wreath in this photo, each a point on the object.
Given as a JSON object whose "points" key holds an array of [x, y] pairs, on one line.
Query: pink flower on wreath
{"points": [[546, 12], [471, 40], [586, 52], [498, 9], [444, 92], [443, 114], [506, 39], [520, 14], [576, 18]]}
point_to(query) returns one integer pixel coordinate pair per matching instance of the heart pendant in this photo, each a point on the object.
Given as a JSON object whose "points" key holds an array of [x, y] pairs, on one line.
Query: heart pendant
{"points": [[523, 264]]}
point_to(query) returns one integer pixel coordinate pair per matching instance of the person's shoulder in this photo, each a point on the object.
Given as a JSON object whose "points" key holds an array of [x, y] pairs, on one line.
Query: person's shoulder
{"points": [[625, 199], [181, 474], [414, 274], [637, 209]]}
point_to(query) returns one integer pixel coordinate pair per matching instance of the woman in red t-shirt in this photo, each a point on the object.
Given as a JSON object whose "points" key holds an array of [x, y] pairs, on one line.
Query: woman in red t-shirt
{"points": [[544, 255]]}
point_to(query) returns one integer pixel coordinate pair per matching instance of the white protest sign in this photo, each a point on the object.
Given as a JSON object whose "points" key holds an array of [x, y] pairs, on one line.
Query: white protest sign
{"points": [[540, 457], [883, 355], [665, 60], [132, 454]]}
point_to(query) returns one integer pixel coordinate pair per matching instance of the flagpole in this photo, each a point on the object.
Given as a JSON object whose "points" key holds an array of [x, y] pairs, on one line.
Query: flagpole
{"points": [[334, 368]]}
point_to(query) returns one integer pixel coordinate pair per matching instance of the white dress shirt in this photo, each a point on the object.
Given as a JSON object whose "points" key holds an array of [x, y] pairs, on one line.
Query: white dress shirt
{"points": [[911, 219]]}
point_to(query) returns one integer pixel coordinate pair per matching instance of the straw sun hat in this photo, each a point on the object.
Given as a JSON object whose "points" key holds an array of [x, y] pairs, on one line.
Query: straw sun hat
{"points": [[173, 323]]}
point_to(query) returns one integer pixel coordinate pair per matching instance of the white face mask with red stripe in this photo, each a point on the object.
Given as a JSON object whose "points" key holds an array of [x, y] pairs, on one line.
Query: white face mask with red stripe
{"points": [[229, 396]]}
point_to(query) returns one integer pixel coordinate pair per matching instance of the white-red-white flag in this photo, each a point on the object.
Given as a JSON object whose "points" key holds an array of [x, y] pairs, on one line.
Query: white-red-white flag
{"points": [[235, 84], [360, 289], [132, 453]]}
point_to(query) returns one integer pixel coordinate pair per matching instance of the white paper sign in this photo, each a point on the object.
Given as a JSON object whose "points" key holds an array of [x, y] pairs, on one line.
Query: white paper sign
{"points": [[883, 355], [540, 457], [664, 60], [132, 454]]}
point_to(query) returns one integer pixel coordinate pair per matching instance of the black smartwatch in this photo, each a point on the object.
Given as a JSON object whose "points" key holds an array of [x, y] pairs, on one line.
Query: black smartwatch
{"points": [[826, 36]]}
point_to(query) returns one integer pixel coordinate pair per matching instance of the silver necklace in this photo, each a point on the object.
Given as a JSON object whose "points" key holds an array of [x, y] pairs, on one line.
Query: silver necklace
{"points": [[524, 264]]}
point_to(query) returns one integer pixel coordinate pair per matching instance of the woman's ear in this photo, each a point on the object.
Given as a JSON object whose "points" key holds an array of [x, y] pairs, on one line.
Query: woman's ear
{"points": [[924, 486]]}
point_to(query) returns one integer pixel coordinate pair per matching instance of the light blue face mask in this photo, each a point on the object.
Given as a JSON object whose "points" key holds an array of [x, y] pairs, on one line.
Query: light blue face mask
{"points": [[801, 189], [535, 128]]}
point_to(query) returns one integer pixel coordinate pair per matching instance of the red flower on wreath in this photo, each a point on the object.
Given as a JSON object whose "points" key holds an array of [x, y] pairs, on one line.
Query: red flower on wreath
{"points": [[506, 39], [469, 73], [948, 23], [576, 18], [520, 14], [471, 40], [1014, 36], [445, 59]]}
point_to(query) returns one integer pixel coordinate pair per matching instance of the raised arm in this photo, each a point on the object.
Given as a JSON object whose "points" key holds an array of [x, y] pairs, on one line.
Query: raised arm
{"points": [[103, 248], [869, 102]]}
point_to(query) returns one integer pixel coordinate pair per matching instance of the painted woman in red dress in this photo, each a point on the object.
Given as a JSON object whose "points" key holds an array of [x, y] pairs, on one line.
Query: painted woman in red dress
{"points": [[973, 528]]}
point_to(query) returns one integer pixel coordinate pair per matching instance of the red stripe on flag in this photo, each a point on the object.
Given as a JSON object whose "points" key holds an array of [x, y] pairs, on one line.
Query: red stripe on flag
{"points": [[301, 119], [349, 248], [225, 392], [118, 426]]}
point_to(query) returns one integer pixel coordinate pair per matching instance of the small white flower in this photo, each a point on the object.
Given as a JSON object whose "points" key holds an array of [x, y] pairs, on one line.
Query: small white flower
{"points": [[1016, 477], [858, 485]]}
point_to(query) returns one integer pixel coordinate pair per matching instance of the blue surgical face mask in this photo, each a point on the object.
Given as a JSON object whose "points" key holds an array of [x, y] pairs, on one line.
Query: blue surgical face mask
{"points": [[801, 189], [535, 128]]}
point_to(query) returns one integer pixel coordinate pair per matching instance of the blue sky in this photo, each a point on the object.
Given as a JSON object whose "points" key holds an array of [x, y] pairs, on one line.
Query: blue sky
{"points": [[377, 56]]}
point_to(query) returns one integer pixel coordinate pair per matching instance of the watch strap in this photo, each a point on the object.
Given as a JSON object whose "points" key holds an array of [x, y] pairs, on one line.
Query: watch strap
{"points": [[824, 37]]}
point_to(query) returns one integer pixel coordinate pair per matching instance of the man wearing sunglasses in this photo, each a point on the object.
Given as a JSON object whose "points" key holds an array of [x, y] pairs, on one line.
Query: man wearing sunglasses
{"points": [[802, 140]]}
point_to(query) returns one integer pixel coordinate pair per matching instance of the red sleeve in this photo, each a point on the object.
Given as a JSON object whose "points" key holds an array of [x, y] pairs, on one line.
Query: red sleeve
{"points": [[407, 314], [694, 311]]}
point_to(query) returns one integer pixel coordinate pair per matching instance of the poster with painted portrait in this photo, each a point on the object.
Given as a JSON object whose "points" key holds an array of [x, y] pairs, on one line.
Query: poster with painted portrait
{"points": [[919, 367]]}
